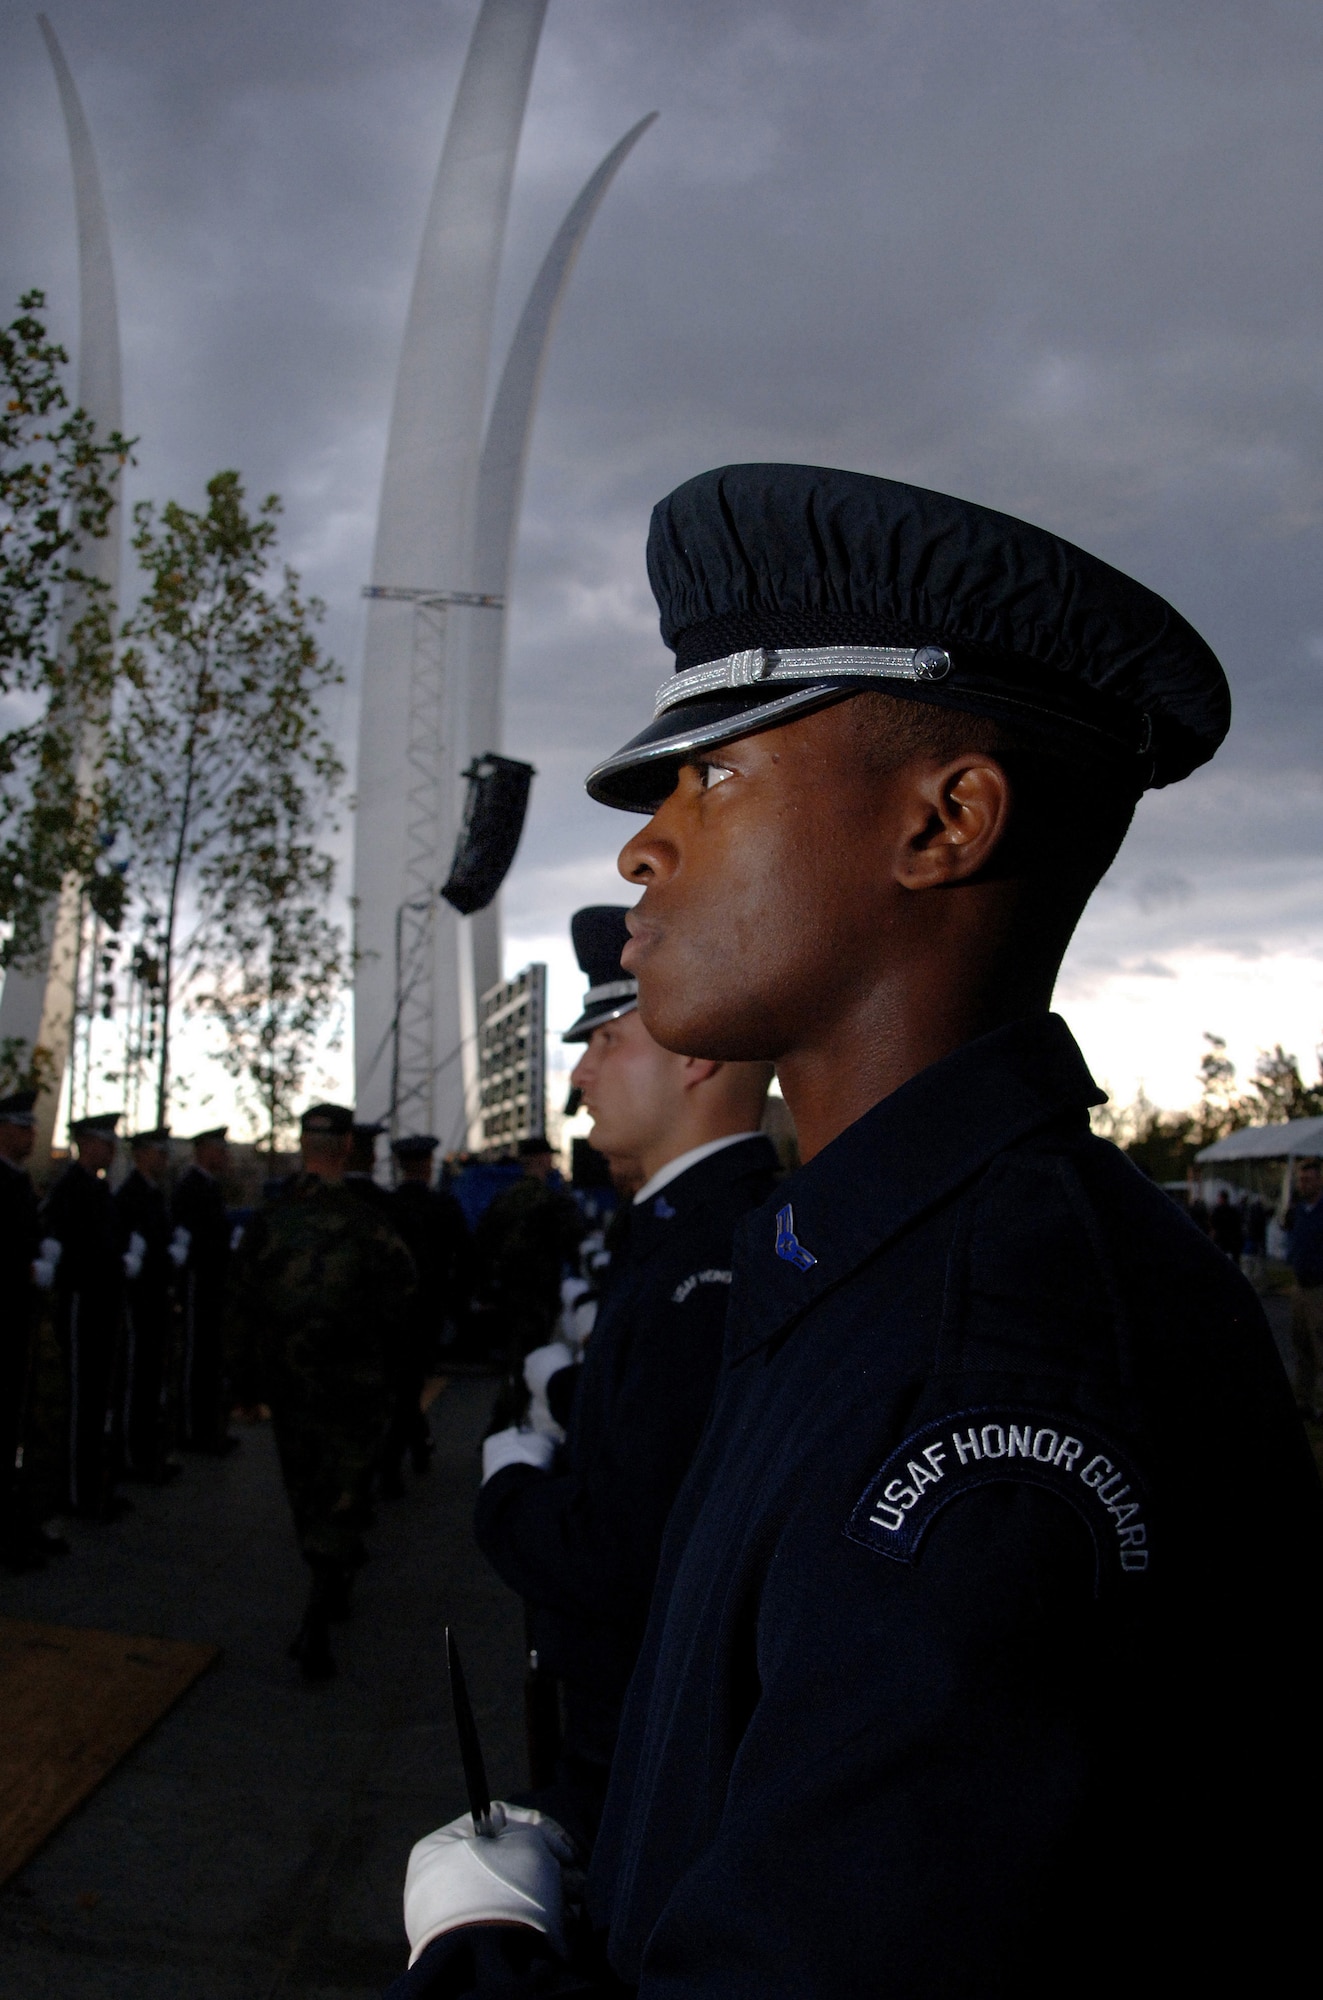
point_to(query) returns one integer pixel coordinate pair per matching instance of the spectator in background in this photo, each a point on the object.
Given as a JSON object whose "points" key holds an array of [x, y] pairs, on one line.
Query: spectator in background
{"points": [[1226, 1226], [1304, 1229], [1254, 1257]]}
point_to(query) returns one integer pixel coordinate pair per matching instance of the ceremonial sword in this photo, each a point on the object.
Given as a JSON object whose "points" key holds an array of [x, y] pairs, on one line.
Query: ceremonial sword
{"points": [[470, 1749]]}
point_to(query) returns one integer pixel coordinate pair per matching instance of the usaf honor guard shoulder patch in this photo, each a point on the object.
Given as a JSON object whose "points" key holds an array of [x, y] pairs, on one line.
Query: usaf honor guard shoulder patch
{"points": [[976, 1448]]}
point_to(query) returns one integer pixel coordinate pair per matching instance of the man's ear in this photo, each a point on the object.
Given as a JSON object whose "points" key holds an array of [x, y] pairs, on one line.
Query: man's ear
{"points": [[956, 817], [698, 1069]]}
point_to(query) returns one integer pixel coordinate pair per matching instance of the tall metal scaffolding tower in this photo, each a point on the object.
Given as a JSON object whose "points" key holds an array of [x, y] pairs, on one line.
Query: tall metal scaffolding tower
{"points": [[430, 745]]}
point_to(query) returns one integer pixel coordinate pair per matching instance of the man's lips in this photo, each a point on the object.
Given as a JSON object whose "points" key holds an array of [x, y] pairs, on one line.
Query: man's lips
{"points": [[643, 936]]}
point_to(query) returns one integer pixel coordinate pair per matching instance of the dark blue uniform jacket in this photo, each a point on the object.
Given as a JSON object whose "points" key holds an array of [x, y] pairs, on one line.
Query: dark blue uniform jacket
{"points": [[987, 1619], [580, 1543]]}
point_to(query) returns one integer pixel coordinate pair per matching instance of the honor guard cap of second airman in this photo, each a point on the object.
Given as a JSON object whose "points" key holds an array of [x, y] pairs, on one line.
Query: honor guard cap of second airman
{"points": [[599, 936], [784, 588], [158, 1136], [415, 1146], [330, 1121], [97, 1125], [212, 1132], [18, 1108]]}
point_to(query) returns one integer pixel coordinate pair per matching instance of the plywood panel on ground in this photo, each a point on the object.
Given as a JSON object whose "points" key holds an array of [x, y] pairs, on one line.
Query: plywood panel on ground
{"points": [[73, 1703]]}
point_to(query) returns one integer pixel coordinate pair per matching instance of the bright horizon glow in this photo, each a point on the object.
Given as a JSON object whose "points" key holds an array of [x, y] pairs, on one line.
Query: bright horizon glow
{"points": [[1140, 1025]]}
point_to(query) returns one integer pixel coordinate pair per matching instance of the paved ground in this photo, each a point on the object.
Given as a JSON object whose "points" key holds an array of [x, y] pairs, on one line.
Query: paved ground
{"points": [[253, 1845]]}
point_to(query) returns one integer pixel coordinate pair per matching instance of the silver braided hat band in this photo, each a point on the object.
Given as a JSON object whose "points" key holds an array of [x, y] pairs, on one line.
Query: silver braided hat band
{"points": [[614, 989], [804, 663]]}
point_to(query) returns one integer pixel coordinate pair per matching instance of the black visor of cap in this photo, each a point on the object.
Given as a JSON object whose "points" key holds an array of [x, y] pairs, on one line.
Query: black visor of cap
{"points": [[768, 561]]}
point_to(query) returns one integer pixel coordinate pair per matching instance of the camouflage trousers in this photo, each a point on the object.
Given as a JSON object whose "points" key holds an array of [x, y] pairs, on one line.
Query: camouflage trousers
{"points": [[328, 1448]]}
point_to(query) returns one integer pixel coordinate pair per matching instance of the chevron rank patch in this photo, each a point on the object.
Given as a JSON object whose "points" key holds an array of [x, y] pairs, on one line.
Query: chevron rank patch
{"points": [[980, 1447]]}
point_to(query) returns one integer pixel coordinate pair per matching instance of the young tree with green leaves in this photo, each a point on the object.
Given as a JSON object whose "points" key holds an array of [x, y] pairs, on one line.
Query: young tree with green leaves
{"points": [[57, 657], [274, 962], [225, 771]]}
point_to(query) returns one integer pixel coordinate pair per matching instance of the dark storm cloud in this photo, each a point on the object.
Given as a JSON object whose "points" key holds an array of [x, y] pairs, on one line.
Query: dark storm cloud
{"points": [[1062, 258]]}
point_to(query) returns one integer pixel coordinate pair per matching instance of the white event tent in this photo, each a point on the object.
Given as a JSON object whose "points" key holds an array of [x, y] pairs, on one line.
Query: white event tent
{"points": [[1298, 1139]]}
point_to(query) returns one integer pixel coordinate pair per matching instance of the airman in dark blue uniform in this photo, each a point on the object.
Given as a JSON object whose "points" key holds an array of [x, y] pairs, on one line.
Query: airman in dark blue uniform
{"points": [[143, 1231], [577, 1531], [22, 1543], [201, 1232], [986, 1615], [77, 1220]]}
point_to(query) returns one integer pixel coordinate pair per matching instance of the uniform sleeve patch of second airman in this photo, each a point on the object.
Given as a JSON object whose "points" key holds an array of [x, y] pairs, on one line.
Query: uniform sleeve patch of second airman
{"points": [[694, 1280], [978, 1447]]}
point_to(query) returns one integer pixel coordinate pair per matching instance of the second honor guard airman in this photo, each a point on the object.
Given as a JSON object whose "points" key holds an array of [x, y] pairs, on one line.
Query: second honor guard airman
{"points": [[987, 1616], [323, 1289], [576, 1531]]}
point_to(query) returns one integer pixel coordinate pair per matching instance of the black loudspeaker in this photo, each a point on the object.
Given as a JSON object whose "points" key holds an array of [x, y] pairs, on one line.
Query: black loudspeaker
{"points": [[493, 821]]}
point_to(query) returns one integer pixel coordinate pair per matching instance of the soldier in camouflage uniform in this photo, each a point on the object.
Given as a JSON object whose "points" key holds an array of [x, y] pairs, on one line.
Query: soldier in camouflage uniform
{"points": [[323, 1286]]}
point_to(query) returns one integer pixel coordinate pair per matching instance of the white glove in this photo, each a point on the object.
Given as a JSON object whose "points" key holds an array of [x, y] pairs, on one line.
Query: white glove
{"points": [[457, 1877], [236, 1237], [578, 1312], [543, 1363], [515, 1447], [179, 1247], [50, 1250], [539, 1367], [134, 1255]]}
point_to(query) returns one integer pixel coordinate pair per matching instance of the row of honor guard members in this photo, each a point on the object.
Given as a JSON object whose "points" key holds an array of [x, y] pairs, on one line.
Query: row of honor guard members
{"points": [[112, 1267], [116, 1266], [988, 1612], [574, 1500]]}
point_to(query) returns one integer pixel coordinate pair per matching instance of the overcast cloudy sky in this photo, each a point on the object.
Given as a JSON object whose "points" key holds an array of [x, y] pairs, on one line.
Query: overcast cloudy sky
{"points": [[1060, 256]]}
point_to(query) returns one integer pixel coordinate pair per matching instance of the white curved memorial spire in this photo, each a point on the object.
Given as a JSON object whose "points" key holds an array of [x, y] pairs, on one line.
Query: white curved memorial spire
{"points": [[500, 491], [411, 721], [37, 1006]]}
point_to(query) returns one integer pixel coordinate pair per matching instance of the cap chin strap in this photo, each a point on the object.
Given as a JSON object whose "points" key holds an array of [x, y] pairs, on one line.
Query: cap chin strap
{"points": [[804, 663]]}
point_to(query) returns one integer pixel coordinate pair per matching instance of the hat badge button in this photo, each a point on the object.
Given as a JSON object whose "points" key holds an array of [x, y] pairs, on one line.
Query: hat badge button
{"points": [[931, 663]]}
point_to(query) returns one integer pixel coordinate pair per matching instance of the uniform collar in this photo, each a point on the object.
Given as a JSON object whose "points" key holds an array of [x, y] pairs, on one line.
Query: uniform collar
{"points": [[716, 1168], [904, 1156], [683, 1161]]}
